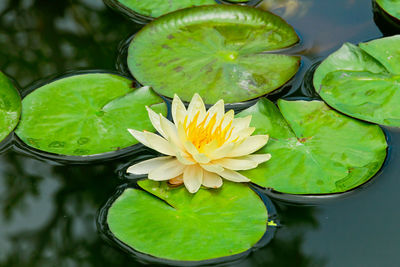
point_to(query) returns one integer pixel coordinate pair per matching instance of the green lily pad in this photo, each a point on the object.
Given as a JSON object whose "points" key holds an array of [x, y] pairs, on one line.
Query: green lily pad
{"points": [[392, 7], [173, 224], [86, 114], [315, 150], [364, 81], [10, 106], [237, 1], [156, 8], [214, 51]]}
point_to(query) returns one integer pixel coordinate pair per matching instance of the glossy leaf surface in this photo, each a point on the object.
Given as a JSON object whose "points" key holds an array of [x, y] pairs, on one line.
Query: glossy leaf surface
{"points": [[315, 150], [86, 114], [156, 8], [214, 51], [10, 106], [363, 81], [171, 223]]}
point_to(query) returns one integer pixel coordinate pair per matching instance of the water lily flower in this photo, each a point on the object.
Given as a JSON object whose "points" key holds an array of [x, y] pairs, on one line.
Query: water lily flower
{"points": [[201, 147]]}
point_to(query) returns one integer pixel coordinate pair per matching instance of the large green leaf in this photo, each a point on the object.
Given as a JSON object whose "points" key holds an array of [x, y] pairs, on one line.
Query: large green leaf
{"points": [[214, 51], [10, 106], [363, 81], [171, 223], [392, 7], [315, 150], [386, 51], [156, 8], [86, 114], [348, 57]]}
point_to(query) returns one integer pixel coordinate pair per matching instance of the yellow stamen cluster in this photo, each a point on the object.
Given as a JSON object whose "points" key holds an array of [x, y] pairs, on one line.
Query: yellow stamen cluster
{"points": [[203, 133]]}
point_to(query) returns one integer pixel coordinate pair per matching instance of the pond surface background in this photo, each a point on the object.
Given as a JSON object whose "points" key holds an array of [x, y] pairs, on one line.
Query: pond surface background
{"points": [[48, 211]]}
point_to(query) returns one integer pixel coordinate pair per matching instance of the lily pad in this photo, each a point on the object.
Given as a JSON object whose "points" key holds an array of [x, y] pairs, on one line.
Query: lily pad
{"points": [[215, 51], [391, 7], [363, 81], [173, 224], [10, 106], [315, 150], [86, 114], [156, 8]]}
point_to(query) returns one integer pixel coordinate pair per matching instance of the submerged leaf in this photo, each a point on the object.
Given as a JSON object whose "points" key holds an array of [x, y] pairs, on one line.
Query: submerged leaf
{"points": [[315, 150], [214, 51], [171, 223], [86, 114]]}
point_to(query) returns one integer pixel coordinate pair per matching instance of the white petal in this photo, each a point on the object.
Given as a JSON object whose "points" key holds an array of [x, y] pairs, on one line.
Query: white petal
{"points": [[248, 146], [221, 152], [184, 158], [211, 180], [241, 123], [140, 136], [170, 131], [210, 147], [242, 134], [159, 144], [236, 164], [167, 171], [228, 117], [190, 148], [153, 141], [178, 110], [146, 166], [197, 156], [212, 168], [193, 178], [259, 158], [218, 108], [201, 158], [155, 120], [196, 105], [233, 176], [182, 133]]}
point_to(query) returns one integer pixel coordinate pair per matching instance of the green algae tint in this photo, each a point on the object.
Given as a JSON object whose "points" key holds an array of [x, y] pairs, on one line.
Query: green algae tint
{"points": [[86, 114], [156, 8], [10, 106], [215, 51], [363, 81], [315, 150], [173, 224]]}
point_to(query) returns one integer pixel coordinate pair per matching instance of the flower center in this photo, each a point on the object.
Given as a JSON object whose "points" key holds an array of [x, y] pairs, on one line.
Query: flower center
{"points": [[205, 132]]}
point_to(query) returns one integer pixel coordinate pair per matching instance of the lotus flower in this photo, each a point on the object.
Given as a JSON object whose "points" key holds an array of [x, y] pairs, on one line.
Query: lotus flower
{"points": [[201, 147]]}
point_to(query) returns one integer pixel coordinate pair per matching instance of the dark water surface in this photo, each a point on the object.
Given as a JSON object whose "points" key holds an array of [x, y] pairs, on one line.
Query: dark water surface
{"points": [[48, 211]]}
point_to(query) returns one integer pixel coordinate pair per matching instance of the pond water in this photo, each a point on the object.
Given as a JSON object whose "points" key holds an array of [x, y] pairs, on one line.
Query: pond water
{"points": [[48, 210]]}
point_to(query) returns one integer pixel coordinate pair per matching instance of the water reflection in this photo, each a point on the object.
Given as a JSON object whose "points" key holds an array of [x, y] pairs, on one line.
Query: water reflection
{"points": [[289, 8], [39, 38], [287, 247], [48, 213], [326, 25]]}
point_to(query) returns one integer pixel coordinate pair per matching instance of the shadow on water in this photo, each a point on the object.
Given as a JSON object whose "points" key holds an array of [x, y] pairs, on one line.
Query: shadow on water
{"points": [[48, 211]]}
